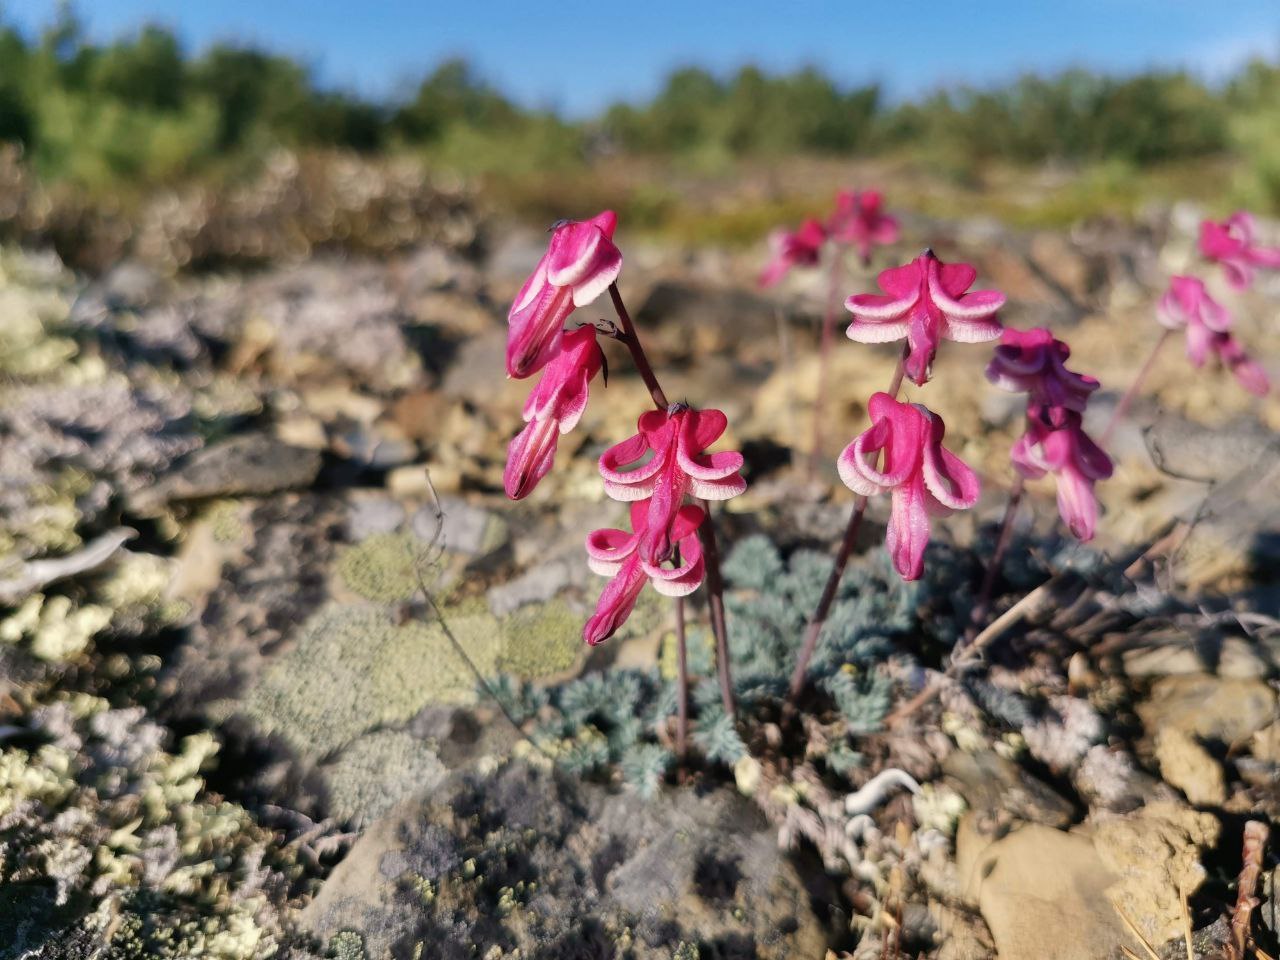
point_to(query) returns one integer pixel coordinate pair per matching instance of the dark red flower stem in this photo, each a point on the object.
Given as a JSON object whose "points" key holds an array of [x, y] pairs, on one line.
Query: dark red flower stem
{"points": [[715, 594], [707, 531], [682, 682], [828, 597], [632, 339], [1126, 401], [824, 359], [978, 617]]}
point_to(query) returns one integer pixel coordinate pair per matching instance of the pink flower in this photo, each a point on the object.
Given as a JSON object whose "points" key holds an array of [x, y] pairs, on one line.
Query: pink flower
{"points": [[1033, 362], [1248, 373], [859, 220], [554, 407], [924, 478], [580, 263], [925, 302], [1230, 243], [616, 553], [1187, 304], [677, 439], [799, 249], [1076, 463]]}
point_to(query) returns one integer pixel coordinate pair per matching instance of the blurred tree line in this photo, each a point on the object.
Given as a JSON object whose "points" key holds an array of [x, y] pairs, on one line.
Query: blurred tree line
{"points": [[142, 111]]}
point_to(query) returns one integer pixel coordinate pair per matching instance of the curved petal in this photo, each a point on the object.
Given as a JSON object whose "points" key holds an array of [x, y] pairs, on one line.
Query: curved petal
{"points": [[877, 331], [1077, 503], [904, 282], [530, 456], [951, 279], [1026, 458], [624, 454], [616, 602], [608, 548], [725, 489], [977, 330], [604, 271], [681, 580], [948, 478], [908, 532], [1199, 343], [870, 307], [534, 332]]}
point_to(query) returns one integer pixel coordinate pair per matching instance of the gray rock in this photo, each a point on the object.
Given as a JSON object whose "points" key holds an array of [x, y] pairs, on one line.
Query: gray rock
{"points": [[251, 465], [532, 861], [464, 528], [535, 585], [1192, 451]]}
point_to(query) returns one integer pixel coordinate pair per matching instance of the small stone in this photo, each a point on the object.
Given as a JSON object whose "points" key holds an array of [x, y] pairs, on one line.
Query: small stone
{"points": [[464, 528], [251, 465], [1225, 709], [370, 516], [535, 585], [1188, 766]]}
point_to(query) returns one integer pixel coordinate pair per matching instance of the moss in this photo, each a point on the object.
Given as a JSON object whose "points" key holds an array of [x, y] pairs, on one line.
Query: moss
{"points": [[356, 668], [385, 567], [54, 627], [377, 771], [541, 641]]}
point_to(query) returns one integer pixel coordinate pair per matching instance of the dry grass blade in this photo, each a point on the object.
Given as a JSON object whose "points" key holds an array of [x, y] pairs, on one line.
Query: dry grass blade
{"points": [[1133, 928], [1186, 923], [1255, 841]]}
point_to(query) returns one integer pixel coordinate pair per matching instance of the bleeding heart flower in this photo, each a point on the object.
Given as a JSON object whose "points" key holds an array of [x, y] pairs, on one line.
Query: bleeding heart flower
{"points": [[1208, 324], [801, 248], [677, 439], [1033, 362], [554, 407], [1231, 244], [1076, 463], [580, 263], [925, 301], [860, 221], [923, 477], [617, 554]]}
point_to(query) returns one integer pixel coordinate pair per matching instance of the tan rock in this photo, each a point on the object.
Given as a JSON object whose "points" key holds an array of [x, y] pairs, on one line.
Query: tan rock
{"points": [[1155, 853], [1187, 765], [1228, 709]]}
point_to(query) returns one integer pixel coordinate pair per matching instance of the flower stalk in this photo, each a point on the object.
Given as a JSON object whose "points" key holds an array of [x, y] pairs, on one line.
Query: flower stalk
{"points": [[981, 609], [1126, 401]]}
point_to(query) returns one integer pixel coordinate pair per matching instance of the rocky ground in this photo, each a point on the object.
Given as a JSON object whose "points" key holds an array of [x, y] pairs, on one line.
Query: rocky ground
{"points": [[233, 725]]}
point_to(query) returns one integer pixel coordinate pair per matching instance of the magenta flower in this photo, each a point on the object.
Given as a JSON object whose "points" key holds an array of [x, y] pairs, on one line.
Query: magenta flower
{"points": [[580, 263], [1033, 362], [859, 220], [616, 553], [677, 439], [554, 407], [1248, 373], [1231, 244], [801, 248], [1208, 324], [923, 477], [1076, 463], [925, 301]]}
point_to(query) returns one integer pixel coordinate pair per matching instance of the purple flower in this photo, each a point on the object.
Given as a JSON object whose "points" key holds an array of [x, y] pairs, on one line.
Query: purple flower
{"points": [[1033, 362], [676, 439], [1230, 243], [923, 477], [1076, 463], [580, 263], [924, 302], [1208, 324], [554, 407], [800, 248], [860, 221], [617, 554]]}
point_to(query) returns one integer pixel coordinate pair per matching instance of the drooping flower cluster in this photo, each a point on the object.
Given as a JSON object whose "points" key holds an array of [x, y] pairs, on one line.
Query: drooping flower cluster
{"points": [[924, 302], [619, 554], [665, 461], [923, 478], [1033, 362], [554, 407], [793, 248], [860, 221], [1231, 244], [580, 263], [1187, 304]]}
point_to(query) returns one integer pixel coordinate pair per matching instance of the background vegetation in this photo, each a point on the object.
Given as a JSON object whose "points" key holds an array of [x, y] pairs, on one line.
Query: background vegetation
{"points": [[119, 120]]}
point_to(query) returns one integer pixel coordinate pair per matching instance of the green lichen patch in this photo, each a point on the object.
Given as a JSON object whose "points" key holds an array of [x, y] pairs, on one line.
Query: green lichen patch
{"points": [[390, 567], [356, 668], [377, 771], [541, 641]]}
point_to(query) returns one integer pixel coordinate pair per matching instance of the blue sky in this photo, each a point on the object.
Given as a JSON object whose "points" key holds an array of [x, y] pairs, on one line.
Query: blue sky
{"points": [[578, 56]]}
